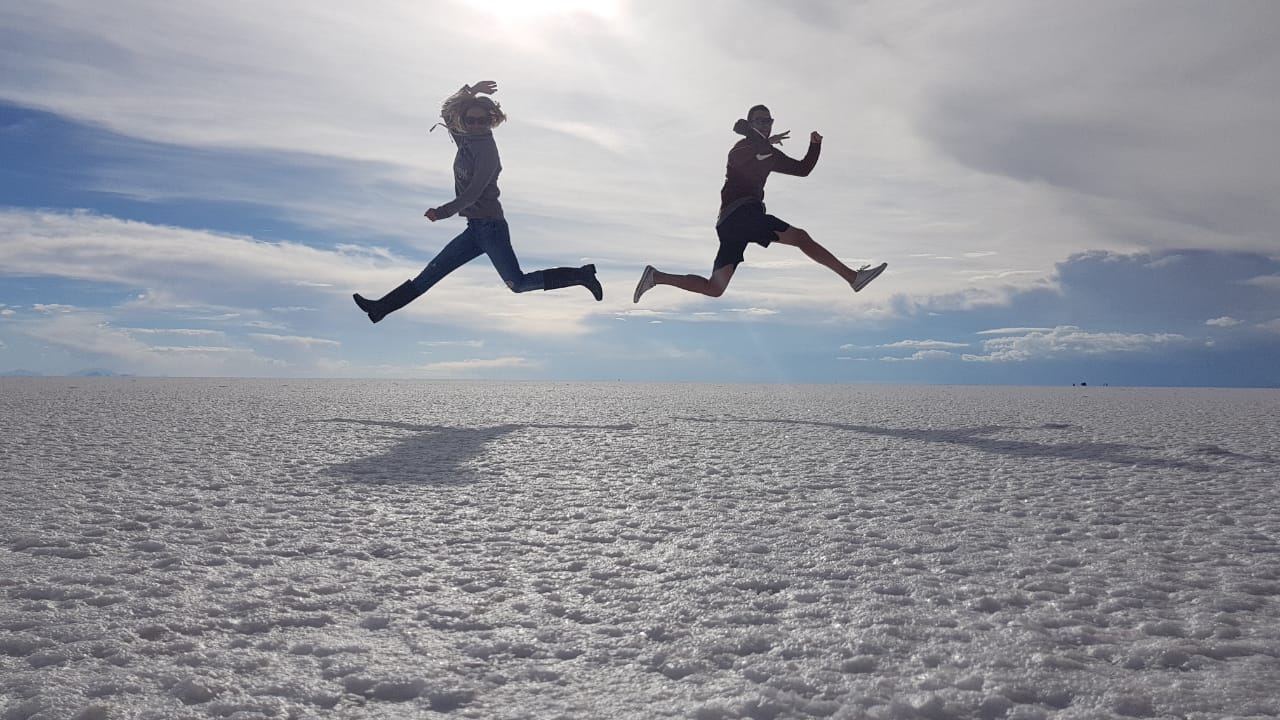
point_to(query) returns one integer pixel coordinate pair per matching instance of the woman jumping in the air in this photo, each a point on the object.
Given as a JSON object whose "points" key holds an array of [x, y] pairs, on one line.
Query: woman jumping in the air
{"points": [[470, 119], [742, 215]]}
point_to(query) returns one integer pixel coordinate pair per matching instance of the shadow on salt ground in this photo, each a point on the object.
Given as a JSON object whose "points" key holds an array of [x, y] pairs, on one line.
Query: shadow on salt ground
{"points": [[435, 454], [979, 438]]}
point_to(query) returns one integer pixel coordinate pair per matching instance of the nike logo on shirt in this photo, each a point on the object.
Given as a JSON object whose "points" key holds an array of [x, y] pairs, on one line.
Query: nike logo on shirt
{"points": [[763, 157]]}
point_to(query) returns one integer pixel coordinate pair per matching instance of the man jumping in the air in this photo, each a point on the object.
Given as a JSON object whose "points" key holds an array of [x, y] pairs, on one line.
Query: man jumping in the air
{"points": [[742, 215]]}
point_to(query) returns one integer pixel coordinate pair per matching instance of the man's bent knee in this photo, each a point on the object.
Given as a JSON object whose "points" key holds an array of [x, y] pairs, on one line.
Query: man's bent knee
{"points": [[719, 280]]}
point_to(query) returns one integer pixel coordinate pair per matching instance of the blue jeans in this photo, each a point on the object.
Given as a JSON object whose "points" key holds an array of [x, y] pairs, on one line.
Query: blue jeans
{"points": [[487, 237]]}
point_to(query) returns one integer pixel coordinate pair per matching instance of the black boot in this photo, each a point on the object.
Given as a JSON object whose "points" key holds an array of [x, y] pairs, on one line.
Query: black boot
{"points": [[389, 303], [555, 278]]}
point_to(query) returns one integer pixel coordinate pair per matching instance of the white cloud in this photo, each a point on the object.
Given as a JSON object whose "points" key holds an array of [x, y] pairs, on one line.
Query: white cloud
{"points": [[921, 356], [50, 308], [94, 338], [452, 343], [973, 177], [264, 324], [980, 276], [232, 277], [1271, 282], [600, 135], [1097, 109], [194, 349], [1224, 322], [188, 332], [1158, 263], [627, 151], [305, 342], [1014, 331], [1069, 341], [181, 262], [925, 344]]}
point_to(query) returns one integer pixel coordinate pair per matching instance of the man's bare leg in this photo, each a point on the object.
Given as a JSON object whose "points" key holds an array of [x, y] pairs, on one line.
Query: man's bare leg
{"points": [[713, 286], [799, 238]]}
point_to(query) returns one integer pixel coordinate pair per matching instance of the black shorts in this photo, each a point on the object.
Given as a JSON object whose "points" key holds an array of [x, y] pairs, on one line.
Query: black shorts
{"points": [[747, 224]]}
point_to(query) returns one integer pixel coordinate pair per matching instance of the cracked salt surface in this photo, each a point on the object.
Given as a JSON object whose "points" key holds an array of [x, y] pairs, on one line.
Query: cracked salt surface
{"points": [[292, 549]]}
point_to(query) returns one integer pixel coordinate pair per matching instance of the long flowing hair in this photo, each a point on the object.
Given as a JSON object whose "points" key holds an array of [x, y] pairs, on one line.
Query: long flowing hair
{"points": [[457, 106]]}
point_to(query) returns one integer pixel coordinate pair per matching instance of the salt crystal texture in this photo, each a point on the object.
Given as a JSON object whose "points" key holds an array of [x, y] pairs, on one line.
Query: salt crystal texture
{"points": [[217, 548]]}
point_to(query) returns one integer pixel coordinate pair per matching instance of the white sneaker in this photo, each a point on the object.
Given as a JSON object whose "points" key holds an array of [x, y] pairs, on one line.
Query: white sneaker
{"points": [[865, 276], [646, 282]]}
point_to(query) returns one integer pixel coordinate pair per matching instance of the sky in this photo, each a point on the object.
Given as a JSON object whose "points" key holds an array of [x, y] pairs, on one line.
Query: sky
{"points": [[1064, 192]]}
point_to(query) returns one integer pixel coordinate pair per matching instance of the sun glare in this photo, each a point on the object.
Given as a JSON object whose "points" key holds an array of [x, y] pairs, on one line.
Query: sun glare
{"points": [[527, 9]]}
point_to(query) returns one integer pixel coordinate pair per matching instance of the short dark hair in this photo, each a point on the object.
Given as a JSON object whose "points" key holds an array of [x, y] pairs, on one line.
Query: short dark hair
{"points": [[755, 108]]}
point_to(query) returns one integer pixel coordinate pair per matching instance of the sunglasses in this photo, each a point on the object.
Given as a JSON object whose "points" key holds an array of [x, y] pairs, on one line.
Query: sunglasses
{"points": [[763, 121], [475, 120]]}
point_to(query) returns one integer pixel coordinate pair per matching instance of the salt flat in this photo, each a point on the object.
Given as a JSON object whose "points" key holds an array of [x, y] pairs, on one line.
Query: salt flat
{"points": [[295, 549]]}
